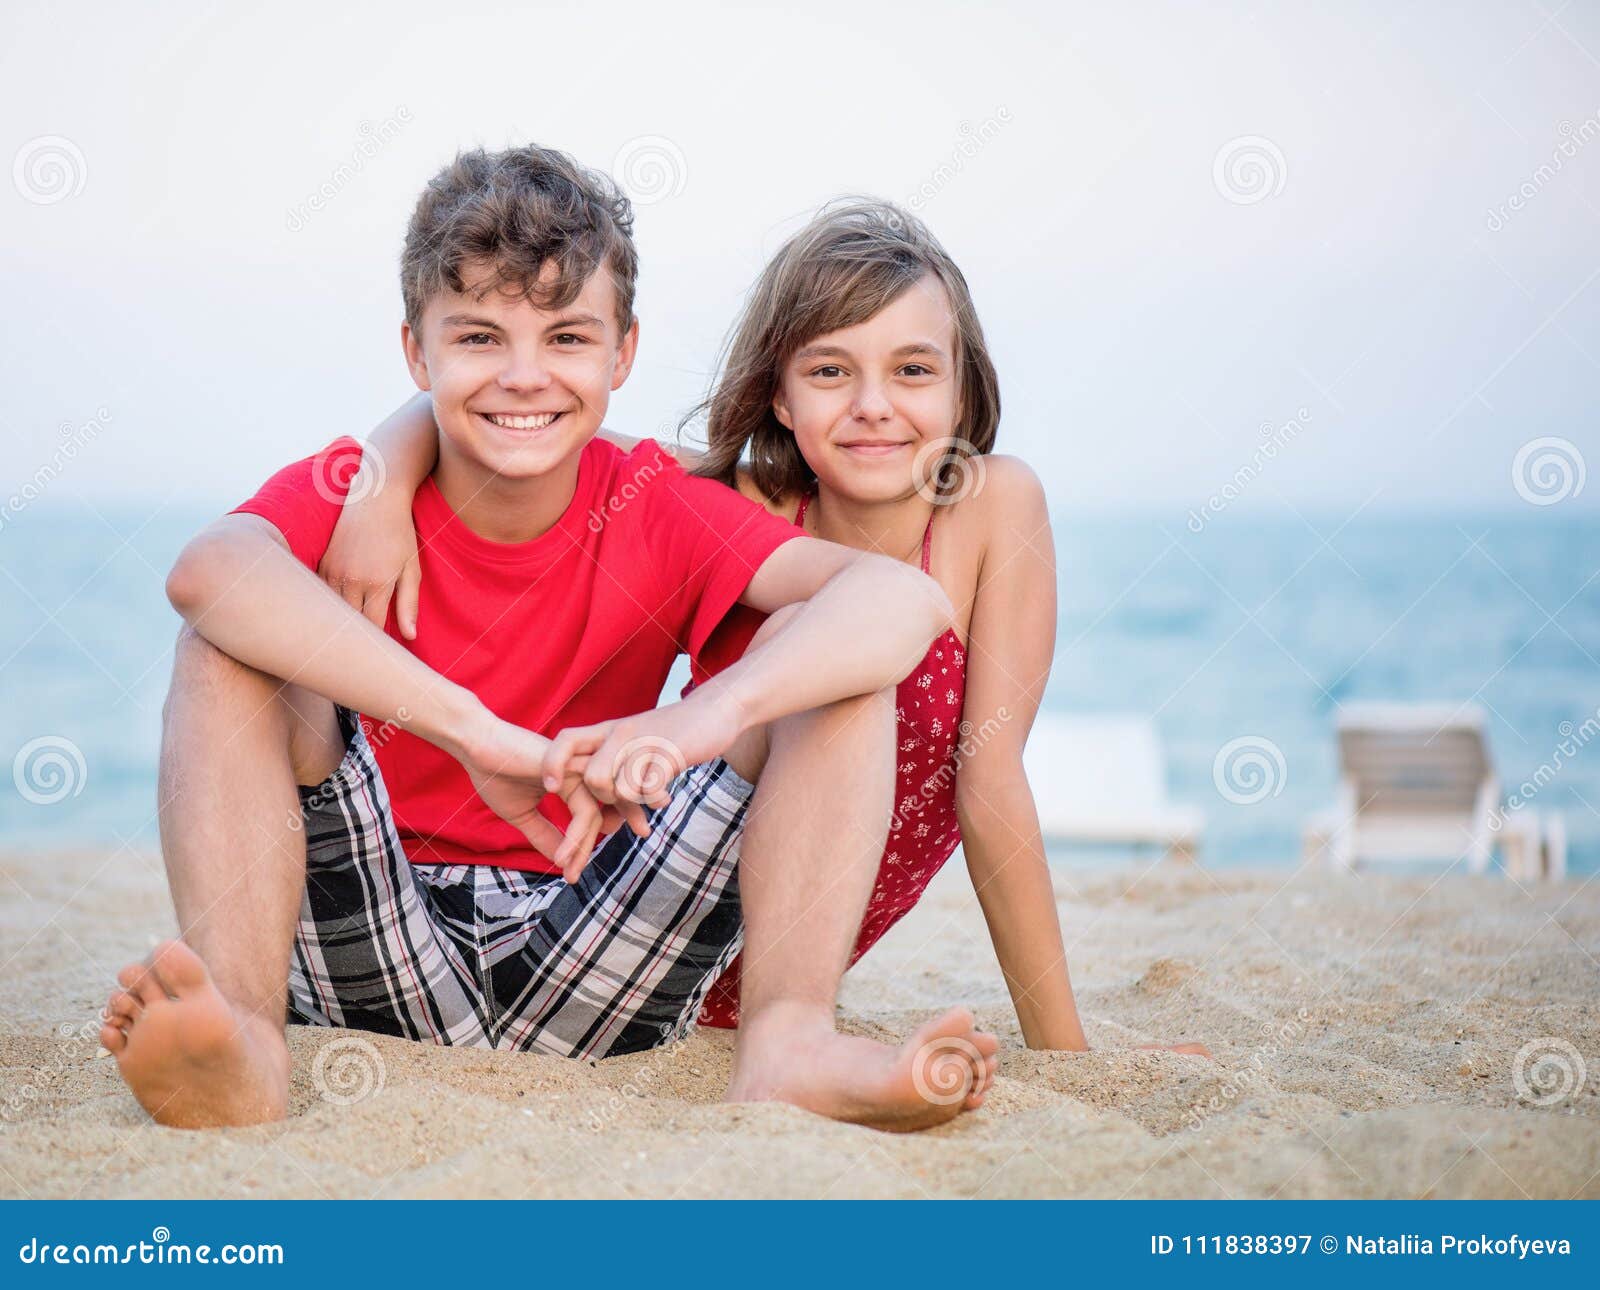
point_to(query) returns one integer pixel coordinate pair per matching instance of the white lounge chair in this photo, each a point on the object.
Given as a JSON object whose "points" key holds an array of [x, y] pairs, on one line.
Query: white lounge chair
{"points": [[1416, 783], [1102, 780]]}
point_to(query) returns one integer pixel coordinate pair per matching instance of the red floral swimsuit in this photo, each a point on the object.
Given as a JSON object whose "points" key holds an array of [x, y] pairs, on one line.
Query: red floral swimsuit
{"points": [[923, 831]]}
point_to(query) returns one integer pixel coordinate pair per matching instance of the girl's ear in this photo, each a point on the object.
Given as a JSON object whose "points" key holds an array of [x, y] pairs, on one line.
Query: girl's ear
{"points": [[780, 409]]}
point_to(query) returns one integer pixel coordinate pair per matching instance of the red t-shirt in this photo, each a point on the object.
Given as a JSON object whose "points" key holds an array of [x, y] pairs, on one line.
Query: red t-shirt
{"points": [[580, 625]]}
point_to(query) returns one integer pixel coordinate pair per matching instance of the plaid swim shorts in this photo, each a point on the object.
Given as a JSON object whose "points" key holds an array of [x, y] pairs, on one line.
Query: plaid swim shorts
{"points": [[487, 957]]}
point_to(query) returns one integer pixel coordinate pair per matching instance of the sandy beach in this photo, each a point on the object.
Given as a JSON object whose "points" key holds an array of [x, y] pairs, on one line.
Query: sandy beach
{"points": [[1376, 1036]]}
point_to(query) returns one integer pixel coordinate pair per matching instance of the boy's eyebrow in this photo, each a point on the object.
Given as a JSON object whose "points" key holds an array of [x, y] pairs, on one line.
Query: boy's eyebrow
{"points": [[469, 320], [920, 347], [576, 320]]}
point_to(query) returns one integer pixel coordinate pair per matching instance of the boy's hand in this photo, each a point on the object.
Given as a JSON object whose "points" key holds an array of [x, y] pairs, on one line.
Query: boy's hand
{"points": [[505, 764], [373, 553], [633, 761]]}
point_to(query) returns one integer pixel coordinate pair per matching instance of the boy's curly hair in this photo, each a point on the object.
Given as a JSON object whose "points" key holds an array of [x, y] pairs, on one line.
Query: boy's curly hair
{"points": [[519, 211]]}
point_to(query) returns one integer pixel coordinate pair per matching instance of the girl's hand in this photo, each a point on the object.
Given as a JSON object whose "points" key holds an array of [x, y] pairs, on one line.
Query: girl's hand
{"points": [[1185, 1050], [373, 554]]}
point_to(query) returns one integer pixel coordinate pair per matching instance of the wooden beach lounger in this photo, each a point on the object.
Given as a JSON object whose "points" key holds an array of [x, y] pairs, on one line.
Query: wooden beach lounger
{"points": [[1417, 783]]}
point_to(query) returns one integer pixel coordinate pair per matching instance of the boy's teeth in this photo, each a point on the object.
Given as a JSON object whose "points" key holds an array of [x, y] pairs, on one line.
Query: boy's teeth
{"points": [[523, 423]]}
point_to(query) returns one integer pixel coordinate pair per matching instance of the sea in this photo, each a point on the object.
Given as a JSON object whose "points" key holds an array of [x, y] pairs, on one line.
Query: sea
{"points": [[1223, 630]]}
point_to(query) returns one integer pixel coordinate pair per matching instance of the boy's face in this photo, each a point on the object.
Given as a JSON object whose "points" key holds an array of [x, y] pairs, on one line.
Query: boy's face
{"points": [[518, 389]]}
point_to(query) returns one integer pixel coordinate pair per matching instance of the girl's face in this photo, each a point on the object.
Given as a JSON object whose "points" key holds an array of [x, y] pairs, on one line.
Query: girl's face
{"points": [[869, 404]]}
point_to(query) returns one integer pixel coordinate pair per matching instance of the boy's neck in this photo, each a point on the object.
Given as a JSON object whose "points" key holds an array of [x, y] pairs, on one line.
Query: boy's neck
{"points": [[500, 509], [890, 528]]}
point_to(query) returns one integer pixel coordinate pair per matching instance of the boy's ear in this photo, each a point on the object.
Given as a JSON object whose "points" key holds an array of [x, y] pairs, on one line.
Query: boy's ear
{"points": [[780, 409], [625, 355], [414, 357]]}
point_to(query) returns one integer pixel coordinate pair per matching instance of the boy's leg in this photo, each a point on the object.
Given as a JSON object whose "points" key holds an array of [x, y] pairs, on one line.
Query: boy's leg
{"points": [[812, 844], [198, 1028]]}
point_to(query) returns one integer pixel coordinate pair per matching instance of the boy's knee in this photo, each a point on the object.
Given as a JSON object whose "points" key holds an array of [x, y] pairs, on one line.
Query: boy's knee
{"points": [[209, 686], [864, 721], [861, 723], [198, 665], [211, 691]]}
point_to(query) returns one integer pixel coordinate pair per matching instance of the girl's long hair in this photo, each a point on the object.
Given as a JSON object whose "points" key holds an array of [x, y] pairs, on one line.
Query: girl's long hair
{"points": [[855, 257]]}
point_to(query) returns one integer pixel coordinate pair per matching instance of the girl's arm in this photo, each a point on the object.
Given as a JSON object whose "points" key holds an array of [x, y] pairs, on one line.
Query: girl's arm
{"points": [[373, 553], [1010, 644]]}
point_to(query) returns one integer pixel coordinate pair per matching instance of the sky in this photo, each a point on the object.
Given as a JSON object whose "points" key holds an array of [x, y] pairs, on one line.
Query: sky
{"points": [[1186, 227]]}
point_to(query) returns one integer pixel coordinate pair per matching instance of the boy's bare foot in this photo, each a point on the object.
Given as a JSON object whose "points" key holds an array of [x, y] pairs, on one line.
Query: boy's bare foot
{"points": [[189, 1056], [796, 1056]]}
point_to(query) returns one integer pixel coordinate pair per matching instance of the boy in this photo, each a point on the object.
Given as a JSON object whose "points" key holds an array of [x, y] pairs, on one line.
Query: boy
{"points": [[411, 877]]}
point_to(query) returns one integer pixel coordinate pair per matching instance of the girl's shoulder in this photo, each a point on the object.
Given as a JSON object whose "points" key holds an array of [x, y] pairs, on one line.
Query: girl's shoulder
{"points": [[1002, 495], [784, 506], [1011, 478], [998, 513]]}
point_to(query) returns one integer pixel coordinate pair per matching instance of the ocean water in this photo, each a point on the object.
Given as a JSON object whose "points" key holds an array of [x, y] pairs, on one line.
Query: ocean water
{"points": [[1252, 629]]}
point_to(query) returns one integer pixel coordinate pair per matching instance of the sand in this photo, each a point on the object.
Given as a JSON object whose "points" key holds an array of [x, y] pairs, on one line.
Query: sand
{"points": [[1376, 1036]]}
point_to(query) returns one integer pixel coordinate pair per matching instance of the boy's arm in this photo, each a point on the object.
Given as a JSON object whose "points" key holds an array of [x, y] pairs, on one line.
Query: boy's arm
{"points": [[860, 623], [373, 552], [238, 585]]}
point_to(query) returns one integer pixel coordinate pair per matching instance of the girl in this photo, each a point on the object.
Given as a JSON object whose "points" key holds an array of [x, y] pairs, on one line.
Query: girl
{"points": [[858, 400]]}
